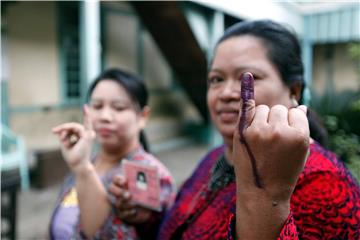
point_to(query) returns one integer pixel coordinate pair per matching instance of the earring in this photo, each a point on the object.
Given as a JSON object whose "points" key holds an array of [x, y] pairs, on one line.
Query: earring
{"points": [[294, 102]]}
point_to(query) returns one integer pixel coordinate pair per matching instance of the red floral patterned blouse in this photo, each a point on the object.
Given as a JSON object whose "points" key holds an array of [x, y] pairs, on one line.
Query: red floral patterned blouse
{"points": [[324, 205]]}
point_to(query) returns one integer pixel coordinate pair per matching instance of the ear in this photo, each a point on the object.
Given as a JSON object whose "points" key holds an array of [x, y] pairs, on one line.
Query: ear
{"points": [[144, 116], [295, 90]]}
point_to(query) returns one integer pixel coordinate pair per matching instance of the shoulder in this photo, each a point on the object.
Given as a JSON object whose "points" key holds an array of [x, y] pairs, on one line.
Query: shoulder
{"points": [[324, 168], [210, 158], [325, 177], [146, 158], [326, 194], [322, 160], [202, 170]]}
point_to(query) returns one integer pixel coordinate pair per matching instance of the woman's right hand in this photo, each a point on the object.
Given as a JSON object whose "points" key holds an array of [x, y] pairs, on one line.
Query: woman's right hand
{"points": [[76, 142], [270, 148]]}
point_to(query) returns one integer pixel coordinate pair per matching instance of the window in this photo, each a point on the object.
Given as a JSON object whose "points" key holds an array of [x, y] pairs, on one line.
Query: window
{"points": [[69, 37]]}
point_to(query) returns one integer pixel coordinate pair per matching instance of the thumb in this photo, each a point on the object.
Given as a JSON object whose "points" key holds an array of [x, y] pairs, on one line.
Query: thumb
{"points": [[247, 103], [120, 181]]}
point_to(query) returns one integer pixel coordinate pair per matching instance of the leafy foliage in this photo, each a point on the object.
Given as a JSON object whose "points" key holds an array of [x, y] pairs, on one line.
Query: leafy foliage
{"points": [[341, 115]]}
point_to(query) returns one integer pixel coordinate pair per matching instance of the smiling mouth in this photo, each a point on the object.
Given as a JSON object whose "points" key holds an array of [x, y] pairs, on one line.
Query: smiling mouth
{"points": [[228, 116], [104, 132]]}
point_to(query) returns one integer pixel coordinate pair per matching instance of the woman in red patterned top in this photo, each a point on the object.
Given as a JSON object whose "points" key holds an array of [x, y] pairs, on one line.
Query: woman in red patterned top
{"points": [[270, 179]]}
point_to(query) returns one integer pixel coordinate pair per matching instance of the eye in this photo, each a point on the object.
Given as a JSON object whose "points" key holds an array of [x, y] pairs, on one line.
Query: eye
{"points": [[256, 77], [120, 107], [96, 105], [214, 80]]}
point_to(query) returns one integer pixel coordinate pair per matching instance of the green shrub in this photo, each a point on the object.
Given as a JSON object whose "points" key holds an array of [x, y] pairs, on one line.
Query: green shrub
{"points": [[341, 115]]}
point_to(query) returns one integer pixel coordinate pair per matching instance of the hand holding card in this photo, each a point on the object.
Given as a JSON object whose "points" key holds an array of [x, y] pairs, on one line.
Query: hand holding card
{"points": [[143, 183]]}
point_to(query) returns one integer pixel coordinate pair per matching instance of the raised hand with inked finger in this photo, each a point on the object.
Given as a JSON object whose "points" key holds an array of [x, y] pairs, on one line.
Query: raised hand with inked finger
{"points": [[76, 141], [254, 86], [269, 152], [116, 113]]}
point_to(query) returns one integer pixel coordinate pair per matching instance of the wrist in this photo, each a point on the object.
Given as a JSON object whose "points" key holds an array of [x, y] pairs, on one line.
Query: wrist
{"points": [[83, 169], [251, 200], [273, 192], [261, 215], [263, 205]]}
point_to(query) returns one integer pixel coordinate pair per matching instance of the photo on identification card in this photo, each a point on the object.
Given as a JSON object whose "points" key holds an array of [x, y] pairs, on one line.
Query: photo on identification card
{"points": [[143, 183]]}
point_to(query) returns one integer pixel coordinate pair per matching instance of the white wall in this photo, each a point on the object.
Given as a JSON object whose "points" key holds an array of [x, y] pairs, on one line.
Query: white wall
{"points": [[120, 41], [33, 61], [281, 12], [344, 69], [125, 43]]}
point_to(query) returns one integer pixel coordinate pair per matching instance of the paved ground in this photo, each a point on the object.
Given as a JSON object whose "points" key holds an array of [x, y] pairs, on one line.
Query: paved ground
{"points": [[35, 206]]}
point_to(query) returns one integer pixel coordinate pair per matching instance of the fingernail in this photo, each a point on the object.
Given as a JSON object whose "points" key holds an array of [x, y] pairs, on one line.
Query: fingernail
{"points": [[120, 179], [247, 86], [126, 194], [303, 108], [73, 139]]}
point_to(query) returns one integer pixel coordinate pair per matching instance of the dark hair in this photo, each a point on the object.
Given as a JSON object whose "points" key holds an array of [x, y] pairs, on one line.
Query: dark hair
{"points": [[283, 50], [134, 86]]}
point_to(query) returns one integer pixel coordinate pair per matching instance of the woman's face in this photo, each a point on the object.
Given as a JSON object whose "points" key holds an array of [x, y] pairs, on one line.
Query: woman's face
{"points": [[233, 57], [115, 119]]}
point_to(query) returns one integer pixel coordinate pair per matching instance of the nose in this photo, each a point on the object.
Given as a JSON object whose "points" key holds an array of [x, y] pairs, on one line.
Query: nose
{"points": [[230, 90], [106, 114]]}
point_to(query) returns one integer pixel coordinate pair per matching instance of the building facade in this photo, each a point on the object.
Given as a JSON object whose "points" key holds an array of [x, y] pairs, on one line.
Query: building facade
{"points": [[44, 71]]}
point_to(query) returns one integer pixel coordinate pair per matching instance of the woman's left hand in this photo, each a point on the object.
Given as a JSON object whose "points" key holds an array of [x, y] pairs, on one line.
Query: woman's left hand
{"points": [[127, 210]]}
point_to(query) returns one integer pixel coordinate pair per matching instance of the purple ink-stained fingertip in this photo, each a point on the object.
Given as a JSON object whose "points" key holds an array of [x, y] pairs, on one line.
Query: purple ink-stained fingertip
{"points": [[247, 93], [247, 86]]}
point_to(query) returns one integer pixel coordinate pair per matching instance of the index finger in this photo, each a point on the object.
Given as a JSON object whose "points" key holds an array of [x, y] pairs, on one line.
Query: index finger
{"points": [[86, 115], [247, 99], [71, 126]]}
